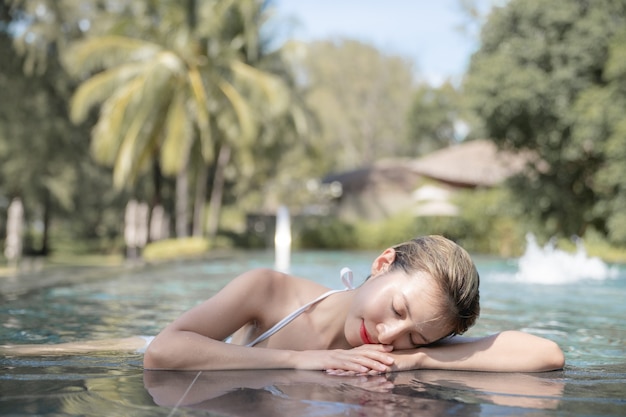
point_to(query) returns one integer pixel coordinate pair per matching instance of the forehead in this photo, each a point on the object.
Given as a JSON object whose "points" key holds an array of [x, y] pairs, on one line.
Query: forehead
{"points": [[419, 286], [426, 303]]}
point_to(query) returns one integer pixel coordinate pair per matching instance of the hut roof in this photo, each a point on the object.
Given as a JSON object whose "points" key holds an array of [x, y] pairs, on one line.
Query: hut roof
{"points": [[472, 163], [387, 173]]}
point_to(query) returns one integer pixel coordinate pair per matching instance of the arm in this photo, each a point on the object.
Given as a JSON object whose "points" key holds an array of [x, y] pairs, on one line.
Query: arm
{"points": [[509, 351], [194, 340]]}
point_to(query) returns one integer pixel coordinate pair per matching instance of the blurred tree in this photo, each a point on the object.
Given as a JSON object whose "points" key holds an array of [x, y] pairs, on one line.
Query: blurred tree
{"points": [[433, 119], [361, 98], [283, 157], [42, 155], [189, 80], [542, 80], [600, 115]]}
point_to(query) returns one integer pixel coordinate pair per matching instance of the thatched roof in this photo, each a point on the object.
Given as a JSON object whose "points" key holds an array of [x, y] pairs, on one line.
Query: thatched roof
{"points": [[473, 163], [386, 173], [476, 163]]}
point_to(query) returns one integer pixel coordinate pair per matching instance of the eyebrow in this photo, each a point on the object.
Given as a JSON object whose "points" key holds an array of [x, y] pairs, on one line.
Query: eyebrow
{"points": [[408, 310]]}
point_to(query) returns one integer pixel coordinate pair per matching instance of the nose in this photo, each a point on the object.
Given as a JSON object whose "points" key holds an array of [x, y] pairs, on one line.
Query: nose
{"points": [[389, 333]]}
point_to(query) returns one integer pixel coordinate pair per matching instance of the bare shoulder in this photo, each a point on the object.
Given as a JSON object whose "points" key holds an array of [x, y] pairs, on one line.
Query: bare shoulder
{"points": [[271, 281], [262, 282], [261, 287], [274, 292], [246, 298]]}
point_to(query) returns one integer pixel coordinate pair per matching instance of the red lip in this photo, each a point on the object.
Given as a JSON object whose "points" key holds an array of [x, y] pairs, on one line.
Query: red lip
{"points": [[364, 335]]}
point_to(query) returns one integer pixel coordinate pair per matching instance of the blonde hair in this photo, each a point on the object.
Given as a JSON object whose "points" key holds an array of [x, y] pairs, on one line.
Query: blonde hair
{"points": [[452, 269]]}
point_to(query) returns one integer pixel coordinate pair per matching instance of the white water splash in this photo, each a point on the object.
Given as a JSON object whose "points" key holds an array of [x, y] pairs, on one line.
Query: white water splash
{"points": [[550, 265]]}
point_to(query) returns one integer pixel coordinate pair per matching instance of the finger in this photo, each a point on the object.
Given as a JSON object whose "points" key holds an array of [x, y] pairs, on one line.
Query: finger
{"points": [[350, 365], [365, 365], [378, 347], [377, 352], [378, 357]]}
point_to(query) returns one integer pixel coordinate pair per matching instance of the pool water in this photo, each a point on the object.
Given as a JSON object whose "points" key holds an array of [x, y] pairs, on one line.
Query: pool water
{"points": [[584, 314]]}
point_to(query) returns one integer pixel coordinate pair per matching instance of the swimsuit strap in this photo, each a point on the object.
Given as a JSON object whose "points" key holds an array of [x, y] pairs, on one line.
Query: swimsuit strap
{"points": [[346, 278]]}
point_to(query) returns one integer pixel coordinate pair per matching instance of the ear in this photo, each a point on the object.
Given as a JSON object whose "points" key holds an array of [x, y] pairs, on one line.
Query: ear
{"points": [[383, 261]]}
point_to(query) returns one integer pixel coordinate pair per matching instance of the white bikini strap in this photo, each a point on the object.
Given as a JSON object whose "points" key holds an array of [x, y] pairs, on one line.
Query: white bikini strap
{"points": [[346, 278]]}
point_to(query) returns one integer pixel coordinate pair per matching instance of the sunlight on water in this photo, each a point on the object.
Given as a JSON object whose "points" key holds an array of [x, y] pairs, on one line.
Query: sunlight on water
{"points": [[550, 265], [584, 315]]}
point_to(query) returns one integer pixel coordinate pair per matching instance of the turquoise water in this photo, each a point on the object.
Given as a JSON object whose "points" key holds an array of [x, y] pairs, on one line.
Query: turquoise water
{"points": [[585, 315]]}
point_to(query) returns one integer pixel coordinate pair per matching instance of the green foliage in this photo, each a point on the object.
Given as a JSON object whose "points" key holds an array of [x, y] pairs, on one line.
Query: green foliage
{"points": [[432, 118], [597, 245], [175, 249], [361, 98], [550, 80], [602, 114], [43, 155], [197, 88], [326, 233], [490, 223]]}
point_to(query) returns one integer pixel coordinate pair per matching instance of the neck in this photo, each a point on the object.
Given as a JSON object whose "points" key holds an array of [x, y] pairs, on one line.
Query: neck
{"points": [[332, 315]]}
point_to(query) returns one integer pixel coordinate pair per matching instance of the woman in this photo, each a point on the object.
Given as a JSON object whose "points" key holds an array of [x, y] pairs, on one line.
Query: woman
{"points": [[420, 297], [409, 314]]}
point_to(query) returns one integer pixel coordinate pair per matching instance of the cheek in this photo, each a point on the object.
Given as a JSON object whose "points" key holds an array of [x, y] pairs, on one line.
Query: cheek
{"points": [[351, 331], [369, 298]]}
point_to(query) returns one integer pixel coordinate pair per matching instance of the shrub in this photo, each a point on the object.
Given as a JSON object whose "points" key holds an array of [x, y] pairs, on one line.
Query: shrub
{"points": [[175, 248]]}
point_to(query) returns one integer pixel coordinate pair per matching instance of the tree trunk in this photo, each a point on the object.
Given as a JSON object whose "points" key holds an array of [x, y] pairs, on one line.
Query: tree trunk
{"points": [[200, 200], [157, 179], [182, 203], [47, 208], [215, 203]]}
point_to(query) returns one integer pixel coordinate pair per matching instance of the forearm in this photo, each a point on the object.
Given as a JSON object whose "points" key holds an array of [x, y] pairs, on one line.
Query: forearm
{"points": [[191, 351], [509, 351]]}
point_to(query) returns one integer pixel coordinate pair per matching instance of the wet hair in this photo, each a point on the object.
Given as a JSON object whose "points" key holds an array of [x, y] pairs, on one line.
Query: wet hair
{"points": [[453, 271]]}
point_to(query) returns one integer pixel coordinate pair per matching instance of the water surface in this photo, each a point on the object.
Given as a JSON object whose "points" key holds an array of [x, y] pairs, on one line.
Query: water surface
{"points": [[585, 316]]}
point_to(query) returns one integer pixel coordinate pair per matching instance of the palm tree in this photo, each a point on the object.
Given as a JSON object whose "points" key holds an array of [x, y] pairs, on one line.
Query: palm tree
{"points": [[157, 97]]}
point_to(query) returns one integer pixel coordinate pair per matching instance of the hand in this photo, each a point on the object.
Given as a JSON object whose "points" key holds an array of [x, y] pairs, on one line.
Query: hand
{"points": [[362, 360], [407, 360]]}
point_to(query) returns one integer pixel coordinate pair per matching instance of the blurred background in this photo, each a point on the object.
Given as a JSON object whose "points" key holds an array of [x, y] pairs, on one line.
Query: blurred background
{"points": [[168, 128]]}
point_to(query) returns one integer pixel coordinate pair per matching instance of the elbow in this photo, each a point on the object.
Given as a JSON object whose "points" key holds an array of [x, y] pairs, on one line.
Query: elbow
{"points": [[534, 353], [553, 357], [156, 357], [152, 359], [547, 356]]}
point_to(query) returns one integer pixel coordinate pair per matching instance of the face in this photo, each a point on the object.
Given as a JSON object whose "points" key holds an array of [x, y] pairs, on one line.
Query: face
{"points": [[395, 309]]}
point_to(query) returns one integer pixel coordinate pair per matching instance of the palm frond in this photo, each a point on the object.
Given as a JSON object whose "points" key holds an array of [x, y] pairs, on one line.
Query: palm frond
{"points": [[109, 131], [271, 87], [99, 88], [299, 118], [199, 95], [94, 54], [128, 149], [247, 123], [177, 138]]}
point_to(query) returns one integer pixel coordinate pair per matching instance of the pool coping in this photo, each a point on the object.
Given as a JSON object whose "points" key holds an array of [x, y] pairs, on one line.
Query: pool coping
{"points": [[36, 276]]}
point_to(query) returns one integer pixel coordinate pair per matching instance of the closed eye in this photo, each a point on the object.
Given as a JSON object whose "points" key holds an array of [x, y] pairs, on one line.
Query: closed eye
{"points": [[395, 311], [416, 343]]}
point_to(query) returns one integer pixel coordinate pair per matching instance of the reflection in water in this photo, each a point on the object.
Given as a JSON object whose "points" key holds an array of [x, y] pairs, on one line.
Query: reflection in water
{"points": [[585, 317], [288, 392]]}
